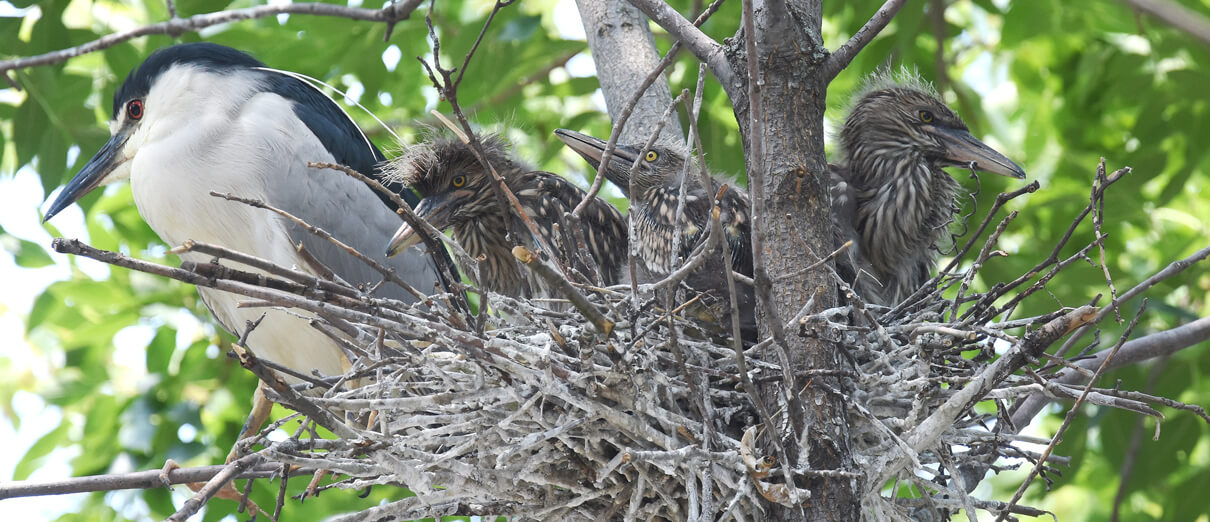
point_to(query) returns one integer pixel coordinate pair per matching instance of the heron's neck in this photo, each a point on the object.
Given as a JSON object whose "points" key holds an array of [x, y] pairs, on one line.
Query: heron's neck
{"points": [[484, 240], [904, 203]]}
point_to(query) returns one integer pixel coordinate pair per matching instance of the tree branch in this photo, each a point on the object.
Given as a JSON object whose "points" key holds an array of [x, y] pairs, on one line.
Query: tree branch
{"points": [[1159, 344], [136, 480], [698, 43], [391, 14], [1176, 15], [845, 53]]}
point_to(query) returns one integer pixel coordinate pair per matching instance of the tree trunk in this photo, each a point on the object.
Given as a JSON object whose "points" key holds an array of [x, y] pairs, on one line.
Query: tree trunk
{"points": [[791, 216], [624, 51], [791, 213]]}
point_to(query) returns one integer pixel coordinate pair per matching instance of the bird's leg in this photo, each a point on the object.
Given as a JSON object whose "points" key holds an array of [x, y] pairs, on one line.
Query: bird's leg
{"points": [[227, 492], [312, 488], [261, 406]]}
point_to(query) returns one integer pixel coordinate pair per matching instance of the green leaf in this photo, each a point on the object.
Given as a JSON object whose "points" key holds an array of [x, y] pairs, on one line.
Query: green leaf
{"points": [[38, 452]]}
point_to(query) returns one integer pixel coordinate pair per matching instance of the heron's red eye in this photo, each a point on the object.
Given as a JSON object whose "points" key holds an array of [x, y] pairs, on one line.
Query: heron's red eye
{"points": [[134, 109]]}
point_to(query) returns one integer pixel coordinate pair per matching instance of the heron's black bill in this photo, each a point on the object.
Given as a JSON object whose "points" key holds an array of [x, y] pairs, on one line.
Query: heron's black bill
{"points": [[592, 149], [438, 210], [962, 149], [92, 175]]}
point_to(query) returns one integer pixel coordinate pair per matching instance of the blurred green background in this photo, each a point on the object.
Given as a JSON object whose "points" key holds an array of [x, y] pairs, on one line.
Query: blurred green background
{"points": [[105, 370]]}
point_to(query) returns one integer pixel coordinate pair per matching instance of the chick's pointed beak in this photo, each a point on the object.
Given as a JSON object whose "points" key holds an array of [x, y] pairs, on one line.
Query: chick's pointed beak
{"points": [[589, 147], [593, 149], [962, 149], [111, 163], [436, 209]]}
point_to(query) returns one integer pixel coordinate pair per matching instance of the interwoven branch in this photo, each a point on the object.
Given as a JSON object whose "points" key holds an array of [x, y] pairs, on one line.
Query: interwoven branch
{"points": [[540, 415]]}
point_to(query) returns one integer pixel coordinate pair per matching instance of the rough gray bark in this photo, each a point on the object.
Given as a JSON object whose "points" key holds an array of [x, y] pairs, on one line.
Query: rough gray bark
{"points": [[624, 51], [787, 175]]}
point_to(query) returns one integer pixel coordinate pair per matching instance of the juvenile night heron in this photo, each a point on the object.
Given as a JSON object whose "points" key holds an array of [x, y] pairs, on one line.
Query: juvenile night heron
{"points": [[654, 193], [200, 117], [457, 193], [892, 189]]}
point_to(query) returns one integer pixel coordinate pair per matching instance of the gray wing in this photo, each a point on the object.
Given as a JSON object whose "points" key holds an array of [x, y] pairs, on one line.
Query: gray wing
{"points": [[350, 211]]}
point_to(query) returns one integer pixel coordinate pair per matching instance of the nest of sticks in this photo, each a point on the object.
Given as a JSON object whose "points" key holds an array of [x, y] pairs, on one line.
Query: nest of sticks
{"points": [[628, 410]]}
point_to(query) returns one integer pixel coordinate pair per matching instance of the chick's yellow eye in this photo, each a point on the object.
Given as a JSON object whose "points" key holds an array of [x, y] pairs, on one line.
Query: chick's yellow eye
{"points": [[926, 116], [651, 155], [459, 181]]}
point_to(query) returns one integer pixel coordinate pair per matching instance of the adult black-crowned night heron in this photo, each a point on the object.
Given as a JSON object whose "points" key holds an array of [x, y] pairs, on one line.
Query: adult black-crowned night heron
{"points": [[457, 194], [654, 193], [200, 117], [892, 189]]}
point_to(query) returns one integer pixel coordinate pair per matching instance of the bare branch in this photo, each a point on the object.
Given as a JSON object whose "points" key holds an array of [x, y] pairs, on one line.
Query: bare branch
{"points": [[1071, 414], [391, 14], [1176, 15], [846, 52], [594, 316], [701, 45], [136, 480], [214, 485], [1159, 344], [639, 94]]}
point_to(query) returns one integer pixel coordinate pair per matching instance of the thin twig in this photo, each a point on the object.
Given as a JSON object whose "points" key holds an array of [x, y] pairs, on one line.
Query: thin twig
{"points": [[390, 14], [844, 54]]}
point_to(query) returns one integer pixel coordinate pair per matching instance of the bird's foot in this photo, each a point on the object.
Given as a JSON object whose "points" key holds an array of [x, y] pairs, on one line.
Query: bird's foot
{"points": [[313, 488], [169, 465]]}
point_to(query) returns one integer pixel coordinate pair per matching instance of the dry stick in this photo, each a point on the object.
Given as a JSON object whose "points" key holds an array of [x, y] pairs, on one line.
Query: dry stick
{"points": [[725, 250], [628, 109], [706, 409], [391, 14], [1053, 258], [929, 431], [1171, 270], [134, 480], [825, 259], [1098, 218], [428, 234], [590, 312], [265, 265], [448, 87], [984, 254], [1071, 413], [632, 250], [228, 473], [920, 293], [217, 271], [388, 273], [466, 341], [701, 45]]}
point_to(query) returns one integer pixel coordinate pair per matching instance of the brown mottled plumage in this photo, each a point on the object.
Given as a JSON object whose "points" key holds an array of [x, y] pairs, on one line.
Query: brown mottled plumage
{"points": [[657, 185], [457, 194], [654, 194], [892, 193]]}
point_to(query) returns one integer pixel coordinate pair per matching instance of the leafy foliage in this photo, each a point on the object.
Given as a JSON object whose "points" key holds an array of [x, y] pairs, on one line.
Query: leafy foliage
{"points": [[1055, 85]]}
